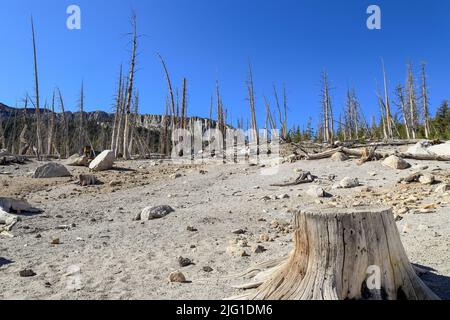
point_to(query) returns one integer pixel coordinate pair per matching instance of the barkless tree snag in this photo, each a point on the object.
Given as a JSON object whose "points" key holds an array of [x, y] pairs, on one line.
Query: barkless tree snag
{"points": [[344, 254], [426, 117], [126, 131], [251, 97], [36, 80]]}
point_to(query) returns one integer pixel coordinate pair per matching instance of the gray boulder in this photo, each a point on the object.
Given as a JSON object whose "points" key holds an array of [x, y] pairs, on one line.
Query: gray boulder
{"points": [[51, 170], [158, 212], [104, 161]]}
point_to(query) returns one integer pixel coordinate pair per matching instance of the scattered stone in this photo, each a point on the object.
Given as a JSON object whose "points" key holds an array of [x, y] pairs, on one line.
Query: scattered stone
{"points": [[395, 162], [316, 192], [77, 161], [398, 217], [264, 237], [184, 262], [27, 273], [104, 161], [88, 180], [426, 179], [191, 229], [258, 249], [207, 269], [348, 182], [403, 210], [158, 212], [236, 251], [413, 177], [242, 243], [239, 231], [442, 188], [115, 183], [282, 196], [339, 157], [177, 277], [51, 170]]}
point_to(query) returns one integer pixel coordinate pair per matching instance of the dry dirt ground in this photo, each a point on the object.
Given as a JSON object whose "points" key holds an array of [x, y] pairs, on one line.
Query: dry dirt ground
{"points": [[119, 258]]}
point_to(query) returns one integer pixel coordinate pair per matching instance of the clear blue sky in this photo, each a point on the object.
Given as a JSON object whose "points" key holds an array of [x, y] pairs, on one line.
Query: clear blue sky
{"points": [[287, 42]]}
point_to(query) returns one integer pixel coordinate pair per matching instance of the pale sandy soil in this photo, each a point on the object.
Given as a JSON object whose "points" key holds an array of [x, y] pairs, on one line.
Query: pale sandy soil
{"points": [[124, 259]]}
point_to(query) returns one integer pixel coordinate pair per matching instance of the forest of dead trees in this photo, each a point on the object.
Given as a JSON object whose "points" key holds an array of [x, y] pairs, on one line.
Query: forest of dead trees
{"points": [[49, 130]]}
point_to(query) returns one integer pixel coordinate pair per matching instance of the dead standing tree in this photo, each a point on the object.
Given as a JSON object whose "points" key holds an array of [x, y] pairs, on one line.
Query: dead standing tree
{"points": [[387, 107], [64, 127], [426, 117], [327, 111], [51, 127], [37, 104], [126, 131], [251, 97], [171, 102], [117, 113], [412, 102]]}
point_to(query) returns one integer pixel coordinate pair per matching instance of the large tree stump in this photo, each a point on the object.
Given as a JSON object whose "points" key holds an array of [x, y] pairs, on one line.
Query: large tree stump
{"points": [[336, 252]]}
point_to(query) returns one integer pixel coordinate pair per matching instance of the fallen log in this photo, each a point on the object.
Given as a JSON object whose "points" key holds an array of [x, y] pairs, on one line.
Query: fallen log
{"points": [[343, 254], [375, 155]]}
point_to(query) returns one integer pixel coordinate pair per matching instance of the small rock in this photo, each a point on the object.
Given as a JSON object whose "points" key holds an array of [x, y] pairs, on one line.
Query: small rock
{"points": [[442, 188], [316, 192], [158, 212], [348, 182], [55, 241], [239, 231], [115, 183], [177, 277], [282, 196], [208, 269], [426, 179], [191, 229], [258, 249], [27, 273], [176, 176], [395, 162], [184, 262]]}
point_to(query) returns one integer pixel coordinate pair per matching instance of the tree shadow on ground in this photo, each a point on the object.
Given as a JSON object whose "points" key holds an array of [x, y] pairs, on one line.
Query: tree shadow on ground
{"points": [[439, 284], [4, 262]]}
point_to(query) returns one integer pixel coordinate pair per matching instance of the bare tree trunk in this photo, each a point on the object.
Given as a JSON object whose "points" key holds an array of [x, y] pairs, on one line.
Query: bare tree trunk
{"points": [[64, 124], [401, 99], [172, 98], [81, 131], [126, 133], [387, 105], [251, 96], [426, 118], [116, 115], [328, 120], [36, 79], [412, 102], [134, 123], [183, 106], [51, 127]]}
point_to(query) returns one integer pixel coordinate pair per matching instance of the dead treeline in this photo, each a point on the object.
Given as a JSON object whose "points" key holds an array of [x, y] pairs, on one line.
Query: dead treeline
{"points": [[49, 130]]}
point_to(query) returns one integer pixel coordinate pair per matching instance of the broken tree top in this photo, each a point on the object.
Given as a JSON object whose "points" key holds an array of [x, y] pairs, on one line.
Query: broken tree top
{"points": [[344, 254]]}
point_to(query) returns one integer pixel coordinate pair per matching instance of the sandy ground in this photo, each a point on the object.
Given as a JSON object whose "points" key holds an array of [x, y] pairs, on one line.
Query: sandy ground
{"points": [[119, 258]]}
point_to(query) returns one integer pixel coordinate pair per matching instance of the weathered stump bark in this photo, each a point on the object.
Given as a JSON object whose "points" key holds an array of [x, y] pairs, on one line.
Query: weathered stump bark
{"points": [[336, 252]]}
